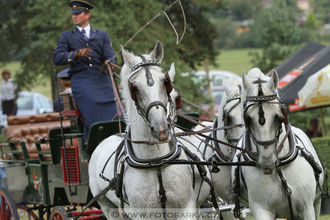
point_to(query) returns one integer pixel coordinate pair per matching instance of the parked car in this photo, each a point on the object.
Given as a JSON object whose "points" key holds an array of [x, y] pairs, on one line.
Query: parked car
{"points": [[218, 78], [29, 103]]}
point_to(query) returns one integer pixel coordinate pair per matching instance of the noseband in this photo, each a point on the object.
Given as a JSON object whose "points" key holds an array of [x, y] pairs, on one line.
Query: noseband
{"points": [[150, 82]]}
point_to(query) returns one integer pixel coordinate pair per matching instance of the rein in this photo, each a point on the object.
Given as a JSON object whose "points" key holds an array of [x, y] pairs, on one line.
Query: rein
{"points": [[187, 133]]}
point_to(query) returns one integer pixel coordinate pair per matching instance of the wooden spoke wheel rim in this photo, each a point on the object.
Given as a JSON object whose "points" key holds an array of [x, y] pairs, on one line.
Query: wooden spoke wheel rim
{"points": [[58, 213], [8, 209]]}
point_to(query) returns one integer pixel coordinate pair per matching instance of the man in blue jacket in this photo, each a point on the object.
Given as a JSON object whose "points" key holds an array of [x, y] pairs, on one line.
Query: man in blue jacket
{"points": [[86, 50]]}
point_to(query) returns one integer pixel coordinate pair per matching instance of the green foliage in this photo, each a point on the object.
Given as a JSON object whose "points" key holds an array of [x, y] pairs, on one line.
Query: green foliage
{"points": [[321, 8], [311, 21], [322, 146], [32, 28], [276, 31], [227, 33], [242, 10], [301, 119]]}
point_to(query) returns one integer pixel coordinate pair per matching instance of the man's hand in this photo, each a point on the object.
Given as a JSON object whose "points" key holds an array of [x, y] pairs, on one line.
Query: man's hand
{"points": [[83, 52], [110, 63]]}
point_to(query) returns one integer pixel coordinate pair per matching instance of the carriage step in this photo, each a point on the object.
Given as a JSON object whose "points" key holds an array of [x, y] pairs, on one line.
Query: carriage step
{"points": [[70, 165]]}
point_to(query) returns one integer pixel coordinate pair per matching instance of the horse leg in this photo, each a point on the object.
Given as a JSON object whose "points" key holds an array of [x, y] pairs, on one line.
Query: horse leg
{"points": [[261, 213], [308, 213], [109, 209], [317, 206], [228, 216], [189, 212]]}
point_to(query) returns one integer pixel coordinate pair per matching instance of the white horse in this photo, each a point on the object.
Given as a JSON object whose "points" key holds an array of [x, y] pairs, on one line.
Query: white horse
{"points": [[278, 152], [146, 91], [230, 114]]}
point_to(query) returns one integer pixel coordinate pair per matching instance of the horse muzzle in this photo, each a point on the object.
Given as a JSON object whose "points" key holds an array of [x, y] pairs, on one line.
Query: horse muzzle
{"points": [[268, 170], [161, 134]]}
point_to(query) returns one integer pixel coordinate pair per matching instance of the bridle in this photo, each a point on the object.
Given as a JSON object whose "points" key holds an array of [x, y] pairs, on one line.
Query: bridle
{"points": [[259, 100], [225, 117], [150, 82]]}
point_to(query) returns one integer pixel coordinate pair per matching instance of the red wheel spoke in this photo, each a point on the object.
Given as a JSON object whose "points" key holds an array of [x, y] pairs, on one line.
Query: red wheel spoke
{"points": [[3, 209]]}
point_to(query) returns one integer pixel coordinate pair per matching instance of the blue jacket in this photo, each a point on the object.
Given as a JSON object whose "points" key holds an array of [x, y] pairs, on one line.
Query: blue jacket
{"points": [[99, 42]]}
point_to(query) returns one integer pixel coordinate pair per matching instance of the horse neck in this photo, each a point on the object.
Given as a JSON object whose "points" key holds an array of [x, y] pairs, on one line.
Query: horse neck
{"points": [[140, 131]]}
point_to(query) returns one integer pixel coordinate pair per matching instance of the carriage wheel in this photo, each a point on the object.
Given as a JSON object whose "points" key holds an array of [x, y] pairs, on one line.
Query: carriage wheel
{"points": [[8, 209], [58, 213], [24, 212]]}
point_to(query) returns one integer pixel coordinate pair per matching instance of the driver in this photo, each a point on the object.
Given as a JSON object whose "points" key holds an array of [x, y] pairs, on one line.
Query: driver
{"points": [[86, 49]]}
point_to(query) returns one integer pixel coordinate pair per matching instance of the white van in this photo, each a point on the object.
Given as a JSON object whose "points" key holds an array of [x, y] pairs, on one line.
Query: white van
{"points": [[218, 77]]}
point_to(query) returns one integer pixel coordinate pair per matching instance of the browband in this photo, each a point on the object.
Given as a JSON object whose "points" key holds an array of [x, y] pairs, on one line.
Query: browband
{"points": [[263, 98], [145, 63]]}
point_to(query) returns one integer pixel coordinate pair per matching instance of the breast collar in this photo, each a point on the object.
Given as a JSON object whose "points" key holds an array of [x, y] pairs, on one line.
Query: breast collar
{"points": [[289, 157], [134, 161]]}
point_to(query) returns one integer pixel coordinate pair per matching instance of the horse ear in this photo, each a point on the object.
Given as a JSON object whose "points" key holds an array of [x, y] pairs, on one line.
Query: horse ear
{"points": [[273, 82], [171, 72], [128, 57], [158, 52], [246, 83]]}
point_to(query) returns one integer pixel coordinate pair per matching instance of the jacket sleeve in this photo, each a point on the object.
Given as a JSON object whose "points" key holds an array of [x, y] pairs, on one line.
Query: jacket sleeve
{"points": [[62, 55], [107, 48]]}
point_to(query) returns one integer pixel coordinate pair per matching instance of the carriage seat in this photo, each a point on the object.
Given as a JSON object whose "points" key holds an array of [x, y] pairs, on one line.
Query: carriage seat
{"points": [[30, 129]]}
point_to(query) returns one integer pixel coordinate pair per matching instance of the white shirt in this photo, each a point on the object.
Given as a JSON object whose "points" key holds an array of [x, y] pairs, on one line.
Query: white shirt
{"points": [[87, 30], [8, 90]]}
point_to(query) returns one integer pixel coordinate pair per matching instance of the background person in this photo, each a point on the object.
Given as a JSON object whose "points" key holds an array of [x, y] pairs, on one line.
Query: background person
{"points": [[86, 49], [8, 94], [313, 131], [65, 82]]}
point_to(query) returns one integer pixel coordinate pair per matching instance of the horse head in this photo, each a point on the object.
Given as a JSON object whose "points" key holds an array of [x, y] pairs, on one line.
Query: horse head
{"points": [[232, 110], [263, 116], [146, 89]]}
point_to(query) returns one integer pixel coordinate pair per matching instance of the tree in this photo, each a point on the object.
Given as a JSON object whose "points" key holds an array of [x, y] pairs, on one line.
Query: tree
{"points": [[32, 28], [322, 10], [243, 9], [311, 21], [276, 33]]}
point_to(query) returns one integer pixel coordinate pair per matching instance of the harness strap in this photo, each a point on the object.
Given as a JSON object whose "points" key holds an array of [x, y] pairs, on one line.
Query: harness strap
{"points": [[162, 192], [287, 190], [316, 167], [203, 173], [237, 191], [120, 178], [111, 186], [150, 81], [280, 147]]}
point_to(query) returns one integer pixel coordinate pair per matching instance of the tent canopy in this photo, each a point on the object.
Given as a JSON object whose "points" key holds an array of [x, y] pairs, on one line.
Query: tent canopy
{"points": [[293, 80], [298, 57]]}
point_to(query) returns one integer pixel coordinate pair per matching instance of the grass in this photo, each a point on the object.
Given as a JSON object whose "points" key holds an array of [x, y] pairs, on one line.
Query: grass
{"points": [[237, 60]]}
